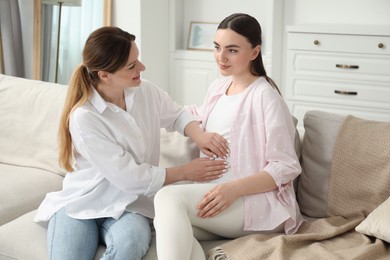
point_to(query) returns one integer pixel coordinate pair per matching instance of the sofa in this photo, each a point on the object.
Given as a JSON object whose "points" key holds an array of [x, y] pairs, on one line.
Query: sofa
{"points": [[29, 115]]}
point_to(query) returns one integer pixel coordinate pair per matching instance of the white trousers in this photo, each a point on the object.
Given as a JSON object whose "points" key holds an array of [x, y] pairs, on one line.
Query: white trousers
{"points": [[178, 228]]}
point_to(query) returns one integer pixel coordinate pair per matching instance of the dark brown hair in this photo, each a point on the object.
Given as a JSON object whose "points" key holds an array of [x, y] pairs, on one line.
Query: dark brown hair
{"points": [[250, 28]]}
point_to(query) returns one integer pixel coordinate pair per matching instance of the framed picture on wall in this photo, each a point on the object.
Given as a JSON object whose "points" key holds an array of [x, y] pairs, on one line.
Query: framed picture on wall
{"points": [[201, 36]]}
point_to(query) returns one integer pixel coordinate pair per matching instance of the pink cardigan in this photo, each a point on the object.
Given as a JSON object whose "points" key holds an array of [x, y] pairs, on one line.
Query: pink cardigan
{"points": [[262, 139]]}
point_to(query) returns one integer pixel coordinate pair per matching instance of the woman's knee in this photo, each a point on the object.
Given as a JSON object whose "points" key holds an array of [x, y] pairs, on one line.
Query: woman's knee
{"points": [[130, 248], [128, 237], [173, 195], [165, 194], [66, 237]]}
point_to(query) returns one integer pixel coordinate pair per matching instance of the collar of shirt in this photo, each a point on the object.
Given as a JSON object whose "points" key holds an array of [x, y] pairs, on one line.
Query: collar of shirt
{"points": [[100, 104]]}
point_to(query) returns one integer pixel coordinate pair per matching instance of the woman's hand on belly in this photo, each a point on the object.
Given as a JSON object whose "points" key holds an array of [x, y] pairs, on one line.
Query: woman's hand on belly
{"points": [[217, 199]]}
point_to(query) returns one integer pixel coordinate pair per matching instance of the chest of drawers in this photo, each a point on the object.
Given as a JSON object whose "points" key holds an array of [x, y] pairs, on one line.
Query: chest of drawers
{"points": [[338, 69]]}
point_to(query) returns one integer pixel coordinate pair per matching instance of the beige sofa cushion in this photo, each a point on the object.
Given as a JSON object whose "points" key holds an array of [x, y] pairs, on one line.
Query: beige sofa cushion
{"points": [[22, 189], [377, 223], [29, 115], [321, 130]]}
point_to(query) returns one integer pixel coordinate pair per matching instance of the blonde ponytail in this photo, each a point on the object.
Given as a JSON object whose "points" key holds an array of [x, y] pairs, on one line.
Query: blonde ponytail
{"points": [[78, 92]]}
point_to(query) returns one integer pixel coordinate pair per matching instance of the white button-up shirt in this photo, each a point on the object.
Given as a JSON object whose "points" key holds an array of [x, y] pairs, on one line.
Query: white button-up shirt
{"points": [[116, 155]]}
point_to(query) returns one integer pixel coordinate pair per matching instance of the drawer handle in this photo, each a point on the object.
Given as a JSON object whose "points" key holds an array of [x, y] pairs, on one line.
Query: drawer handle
{"points": [[381, 45], [316, 42], [344, 66], [349, 93]]}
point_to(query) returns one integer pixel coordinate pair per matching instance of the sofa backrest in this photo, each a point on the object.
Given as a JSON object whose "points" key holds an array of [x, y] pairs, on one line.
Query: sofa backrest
{"points": [[29, 116], [176, 149], [321, 130]]}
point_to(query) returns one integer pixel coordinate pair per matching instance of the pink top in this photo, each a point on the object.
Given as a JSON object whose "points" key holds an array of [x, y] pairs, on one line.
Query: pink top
{"points": [[262, 139]]}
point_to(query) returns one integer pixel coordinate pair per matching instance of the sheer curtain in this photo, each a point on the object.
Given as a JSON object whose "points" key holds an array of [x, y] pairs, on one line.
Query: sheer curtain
{"points": [[48, 46], [11, 38], [77, 22]]}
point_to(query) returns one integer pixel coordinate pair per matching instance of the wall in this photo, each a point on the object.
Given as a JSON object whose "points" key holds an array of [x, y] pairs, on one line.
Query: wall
{"points": [[336, 11], [151, 30], [126, 14], [155, 45]]}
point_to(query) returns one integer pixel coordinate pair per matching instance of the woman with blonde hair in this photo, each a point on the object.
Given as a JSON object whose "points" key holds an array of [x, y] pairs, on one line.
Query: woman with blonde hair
{"points": [[110, 128]]}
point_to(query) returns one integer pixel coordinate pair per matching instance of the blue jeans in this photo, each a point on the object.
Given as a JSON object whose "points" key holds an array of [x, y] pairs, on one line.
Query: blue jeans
{"points": [[77, 239]]}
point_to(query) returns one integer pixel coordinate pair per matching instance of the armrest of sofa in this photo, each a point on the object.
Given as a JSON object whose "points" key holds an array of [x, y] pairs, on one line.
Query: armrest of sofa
{"points": [[22, 189]]}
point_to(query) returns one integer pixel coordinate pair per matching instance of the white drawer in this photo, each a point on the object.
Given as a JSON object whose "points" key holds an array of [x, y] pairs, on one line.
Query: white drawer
{"points": [[340, 92], [338, 69], [339, 65], [339, 43]]}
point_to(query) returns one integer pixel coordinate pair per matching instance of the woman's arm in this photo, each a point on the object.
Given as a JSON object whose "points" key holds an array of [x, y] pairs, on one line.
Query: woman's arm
{"points": [[223, 195], [211, 144], [199, 170]]}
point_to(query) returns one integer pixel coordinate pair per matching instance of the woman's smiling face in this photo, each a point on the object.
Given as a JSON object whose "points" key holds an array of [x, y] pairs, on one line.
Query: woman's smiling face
{"points": [[130, 74]]}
